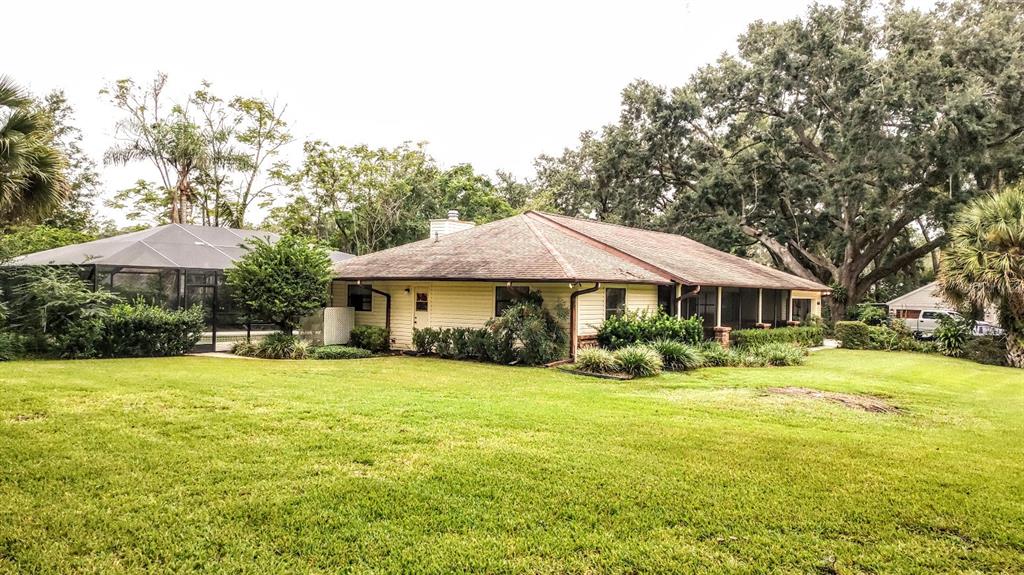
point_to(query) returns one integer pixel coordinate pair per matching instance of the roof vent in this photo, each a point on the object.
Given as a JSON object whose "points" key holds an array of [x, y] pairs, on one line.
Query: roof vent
{"points": [[453, 215]]}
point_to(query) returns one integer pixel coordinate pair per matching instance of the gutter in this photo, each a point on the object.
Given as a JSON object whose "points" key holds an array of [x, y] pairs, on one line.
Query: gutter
{"points": [[573, 317]]}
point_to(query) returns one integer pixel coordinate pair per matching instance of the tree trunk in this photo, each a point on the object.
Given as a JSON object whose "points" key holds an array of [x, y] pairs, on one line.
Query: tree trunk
{"points": [[1014, 349]]}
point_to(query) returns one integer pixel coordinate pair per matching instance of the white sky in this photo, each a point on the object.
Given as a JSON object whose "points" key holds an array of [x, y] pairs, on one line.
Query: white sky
{"points": [[490, 83]]}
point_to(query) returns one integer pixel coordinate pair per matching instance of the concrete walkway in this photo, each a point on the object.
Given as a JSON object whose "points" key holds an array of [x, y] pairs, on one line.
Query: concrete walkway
{"points": [[220, 354], [828, 344]]}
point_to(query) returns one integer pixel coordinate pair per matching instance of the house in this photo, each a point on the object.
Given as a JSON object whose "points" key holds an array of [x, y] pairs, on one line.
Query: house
{"points": [[910, 306], [462, 276], [175, 266]]}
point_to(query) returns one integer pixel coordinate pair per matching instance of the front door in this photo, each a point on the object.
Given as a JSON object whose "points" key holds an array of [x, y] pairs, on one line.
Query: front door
{"points": [[421, 311]]}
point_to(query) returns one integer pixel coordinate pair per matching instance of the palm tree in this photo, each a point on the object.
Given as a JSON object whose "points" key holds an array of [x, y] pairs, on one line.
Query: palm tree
{"points": [[32, 169], [984, 263]]}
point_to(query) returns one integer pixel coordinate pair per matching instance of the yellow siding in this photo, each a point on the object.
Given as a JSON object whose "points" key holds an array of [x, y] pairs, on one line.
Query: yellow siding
{"points": [[471, 304]]}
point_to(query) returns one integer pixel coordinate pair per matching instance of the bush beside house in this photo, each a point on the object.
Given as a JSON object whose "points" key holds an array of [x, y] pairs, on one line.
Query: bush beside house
{"points": [[805, 336]]}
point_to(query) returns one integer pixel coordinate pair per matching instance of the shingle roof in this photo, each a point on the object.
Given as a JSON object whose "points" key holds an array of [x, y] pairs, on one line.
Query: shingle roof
{"points": [[169, 246], [537, 246]]}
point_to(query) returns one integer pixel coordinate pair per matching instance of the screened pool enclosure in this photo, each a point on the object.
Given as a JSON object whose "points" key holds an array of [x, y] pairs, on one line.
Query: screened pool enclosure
{"points": [[173, 266]]}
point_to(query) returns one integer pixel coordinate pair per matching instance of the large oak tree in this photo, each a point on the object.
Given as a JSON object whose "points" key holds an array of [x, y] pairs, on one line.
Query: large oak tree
{"points": [[839, 143]]}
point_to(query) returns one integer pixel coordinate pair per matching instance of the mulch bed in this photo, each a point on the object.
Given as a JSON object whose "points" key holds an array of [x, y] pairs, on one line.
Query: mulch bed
{"points": [[861, 402]]}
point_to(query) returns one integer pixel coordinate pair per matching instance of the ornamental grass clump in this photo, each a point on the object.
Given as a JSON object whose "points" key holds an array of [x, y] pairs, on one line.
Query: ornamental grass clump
{"points": [[639, 360], [596, 360], [678, 356]]}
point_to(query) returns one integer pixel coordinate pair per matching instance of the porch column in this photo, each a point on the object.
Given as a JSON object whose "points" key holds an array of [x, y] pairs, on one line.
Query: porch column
{"points": [[760, 314], [718, 308]]}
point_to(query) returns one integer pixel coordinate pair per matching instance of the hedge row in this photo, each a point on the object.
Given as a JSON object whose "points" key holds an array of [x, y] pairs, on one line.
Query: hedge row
{"points": [[805, 336]]}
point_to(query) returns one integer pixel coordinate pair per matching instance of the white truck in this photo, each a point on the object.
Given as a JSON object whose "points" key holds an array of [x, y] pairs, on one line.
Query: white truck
{"points": [[927, 321]]}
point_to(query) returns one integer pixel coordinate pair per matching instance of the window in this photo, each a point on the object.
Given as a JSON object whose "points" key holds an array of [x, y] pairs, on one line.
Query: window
{"points": [[933, 315], [614, 301], [422, 301], [504, 297], [360, 297], [703, 305], [739, 307], [801, 309], [775, 307], [666, 299]]}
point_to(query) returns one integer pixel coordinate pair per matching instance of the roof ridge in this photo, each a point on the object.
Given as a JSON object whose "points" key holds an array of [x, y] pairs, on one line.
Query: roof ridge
{"points": [[562, 262], [745, 261], [222, 252], [610, 249]]}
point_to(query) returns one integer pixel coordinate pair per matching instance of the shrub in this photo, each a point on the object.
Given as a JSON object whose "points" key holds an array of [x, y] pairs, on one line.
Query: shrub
{"points": [[425, 340], [339, 352], [853, 334], [46, 305], [677, 355], [639, 360], [12, 346], [951, 336], [527, 333], [370, 337], [717, 356], [776, 354], [986, 349], [872, 315], [596, 360], [282, 281], [279, 345], [633, 327], [246, 348], [142, 330], [805, 336]]}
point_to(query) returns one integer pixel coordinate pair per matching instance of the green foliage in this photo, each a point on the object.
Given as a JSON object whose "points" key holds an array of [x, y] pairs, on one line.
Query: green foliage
{"points": [[371, 337], [986, 349], [596, 360], [12, 346], [20, 240], [636, 327], [805, 336], [678, 356], [142, 330], [839, 117], [639, 360], [278, 345], [339, 352], [282, 281], [984, 264], [853, 334], [871, 314], [717, 356], [33, 178], [457, 343], [777, 354], [951, 335], [527, 333], [57, 311]]}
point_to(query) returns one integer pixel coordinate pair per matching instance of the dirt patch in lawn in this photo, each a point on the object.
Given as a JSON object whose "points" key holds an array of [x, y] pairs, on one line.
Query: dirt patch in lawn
{"points": [[861, 402]]}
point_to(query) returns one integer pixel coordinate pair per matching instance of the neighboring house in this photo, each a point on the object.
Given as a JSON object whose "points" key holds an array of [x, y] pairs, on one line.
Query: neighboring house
{"points": [[464, 278], [926, 306], [175, 266]]}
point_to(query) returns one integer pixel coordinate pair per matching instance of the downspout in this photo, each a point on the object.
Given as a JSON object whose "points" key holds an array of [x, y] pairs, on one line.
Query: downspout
{"points": [[574, 319], [387, 310]]}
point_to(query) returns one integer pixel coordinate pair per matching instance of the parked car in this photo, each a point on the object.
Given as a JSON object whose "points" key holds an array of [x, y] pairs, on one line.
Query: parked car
{"points": [[927, 321]]}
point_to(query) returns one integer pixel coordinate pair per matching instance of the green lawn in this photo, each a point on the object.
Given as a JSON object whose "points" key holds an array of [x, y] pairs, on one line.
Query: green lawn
{"points": [[425, 465]]}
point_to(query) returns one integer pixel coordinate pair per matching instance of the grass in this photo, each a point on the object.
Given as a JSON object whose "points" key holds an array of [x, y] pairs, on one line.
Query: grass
{"points": [[425, 465]]}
